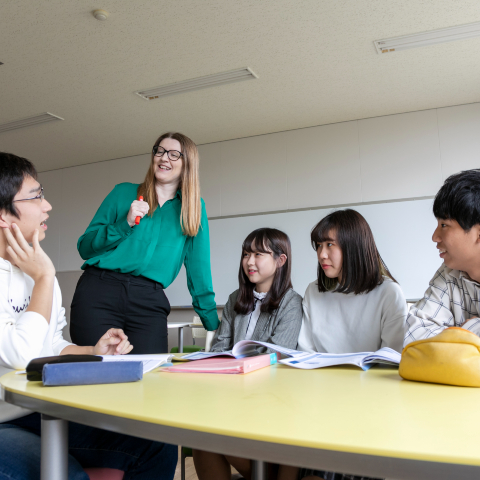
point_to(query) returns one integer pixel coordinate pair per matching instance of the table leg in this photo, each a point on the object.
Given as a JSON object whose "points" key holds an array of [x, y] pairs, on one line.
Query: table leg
{"points": [[54, 443], [259, 470], [180, 339]]}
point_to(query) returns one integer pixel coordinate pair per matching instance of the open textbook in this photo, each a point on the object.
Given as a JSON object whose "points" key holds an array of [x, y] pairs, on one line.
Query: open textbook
{"points": [[364, 360], [305, 360], [150, 362], [244, 348]]}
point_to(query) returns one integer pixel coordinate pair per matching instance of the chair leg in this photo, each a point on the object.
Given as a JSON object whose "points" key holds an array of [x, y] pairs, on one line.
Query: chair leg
{"points": [[182, 464]]}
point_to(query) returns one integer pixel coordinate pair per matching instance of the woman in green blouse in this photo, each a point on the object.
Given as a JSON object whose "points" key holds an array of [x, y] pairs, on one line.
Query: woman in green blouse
{"points": [[127, 266]]}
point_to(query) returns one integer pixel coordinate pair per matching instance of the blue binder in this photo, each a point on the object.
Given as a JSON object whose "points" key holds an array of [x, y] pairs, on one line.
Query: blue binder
{"points": [[91, 373]]}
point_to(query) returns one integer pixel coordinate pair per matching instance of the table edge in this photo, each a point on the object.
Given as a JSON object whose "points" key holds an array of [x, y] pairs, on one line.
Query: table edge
{"points": [[330, 460]]}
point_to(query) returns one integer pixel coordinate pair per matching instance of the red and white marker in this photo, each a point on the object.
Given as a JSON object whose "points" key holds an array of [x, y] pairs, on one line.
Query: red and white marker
{"points": [[137, 220]]}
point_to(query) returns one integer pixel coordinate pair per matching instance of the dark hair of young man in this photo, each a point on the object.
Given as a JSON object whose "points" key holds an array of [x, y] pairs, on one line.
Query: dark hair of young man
{"points": [[363, 268], [459, 199], [13, 171], [269, 241]]}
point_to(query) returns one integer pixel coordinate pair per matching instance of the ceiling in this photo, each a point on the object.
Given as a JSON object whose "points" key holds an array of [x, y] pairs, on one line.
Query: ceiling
{"points": [[315, 60]]}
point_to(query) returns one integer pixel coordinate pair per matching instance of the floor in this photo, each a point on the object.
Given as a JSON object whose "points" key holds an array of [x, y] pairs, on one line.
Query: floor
{"points": [[190, 473]]}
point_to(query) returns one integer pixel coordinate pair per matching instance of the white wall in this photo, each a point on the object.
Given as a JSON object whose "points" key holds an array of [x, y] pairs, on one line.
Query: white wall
{"points": [[409, 252], [372, 160]]}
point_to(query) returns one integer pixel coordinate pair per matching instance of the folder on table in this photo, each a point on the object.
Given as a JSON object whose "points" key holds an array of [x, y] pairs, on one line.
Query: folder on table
{"points": [[225, 365]]}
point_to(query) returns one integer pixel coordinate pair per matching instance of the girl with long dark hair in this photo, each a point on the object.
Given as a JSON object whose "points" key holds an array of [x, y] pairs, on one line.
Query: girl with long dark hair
{"points": [[266, 308], [355, 305]]}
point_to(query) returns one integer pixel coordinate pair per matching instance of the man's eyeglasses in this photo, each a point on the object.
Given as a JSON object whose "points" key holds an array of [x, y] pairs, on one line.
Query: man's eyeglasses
{"points": [[40, 196], [173, 155]]}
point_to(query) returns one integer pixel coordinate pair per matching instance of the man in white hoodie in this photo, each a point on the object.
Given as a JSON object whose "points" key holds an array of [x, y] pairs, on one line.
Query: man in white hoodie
{"points": [[31, 324]]}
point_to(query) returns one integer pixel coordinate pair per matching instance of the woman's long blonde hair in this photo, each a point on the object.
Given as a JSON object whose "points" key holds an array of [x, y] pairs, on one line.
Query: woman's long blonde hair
{"points": [[191, 213]]}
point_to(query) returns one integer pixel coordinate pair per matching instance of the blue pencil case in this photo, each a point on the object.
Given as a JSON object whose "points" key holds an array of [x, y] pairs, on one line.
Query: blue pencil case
{"points": [[91, 373]]}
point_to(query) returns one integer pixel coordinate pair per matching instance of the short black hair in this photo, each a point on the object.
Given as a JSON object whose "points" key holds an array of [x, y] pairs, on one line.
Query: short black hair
{"points": [[459, 199], [13, 171], [363, 268]]}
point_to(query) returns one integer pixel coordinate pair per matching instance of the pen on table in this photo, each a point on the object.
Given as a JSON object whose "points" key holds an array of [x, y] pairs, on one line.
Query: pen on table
{"points": [[137, 220]]}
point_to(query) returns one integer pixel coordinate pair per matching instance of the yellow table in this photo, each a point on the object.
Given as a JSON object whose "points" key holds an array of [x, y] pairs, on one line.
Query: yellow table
{"points": [[340, 418]]}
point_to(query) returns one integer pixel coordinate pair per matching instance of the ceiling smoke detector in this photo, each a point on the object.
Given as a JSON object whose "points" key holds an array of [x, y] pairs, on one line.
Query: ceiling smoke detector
{"points": [[100, 14]]}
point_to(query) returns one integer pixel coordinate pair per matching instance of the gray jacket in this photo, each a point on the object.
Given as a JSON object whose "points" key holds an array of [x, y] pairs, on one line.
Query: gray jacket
{"points": [[280, 327]]}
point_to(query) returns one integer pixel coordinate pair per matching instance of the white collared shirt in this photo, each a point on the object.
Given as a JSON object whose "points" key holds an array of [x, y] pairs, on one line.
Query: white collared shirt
{"points": [[259, 297], [451, 298]]}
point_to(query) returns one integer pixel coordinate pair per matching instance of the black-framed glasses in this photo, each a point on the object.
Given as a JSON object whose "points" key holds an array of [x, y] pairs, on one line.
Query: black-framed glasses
{"points": [[173, 155], [40, 196]]}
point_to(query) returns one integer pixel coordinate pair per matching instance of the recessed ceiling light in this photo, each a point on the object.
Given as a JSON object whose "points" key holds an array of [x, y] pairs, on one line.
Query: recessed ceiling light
{"points": [[424, 39], [198, 83], [29, 122]]}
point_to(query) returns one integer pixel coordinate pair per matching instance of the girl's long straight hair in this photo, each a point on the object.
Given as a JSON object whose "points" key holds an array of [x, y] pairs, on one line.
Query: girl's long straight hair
{"points": [[268, 241], [191, 213], [363, 268]]}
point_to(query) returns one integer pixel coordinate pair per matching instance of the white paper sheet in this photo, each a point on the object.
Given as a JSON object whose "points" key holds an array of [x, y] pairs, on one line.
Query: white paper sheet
{"points": [[150, 362]]}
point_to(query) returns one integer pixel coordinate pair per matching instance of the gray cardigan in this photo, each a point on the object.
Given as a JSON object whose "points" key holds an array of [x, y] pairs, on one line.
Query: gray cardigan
{"points": [[280, 327]]}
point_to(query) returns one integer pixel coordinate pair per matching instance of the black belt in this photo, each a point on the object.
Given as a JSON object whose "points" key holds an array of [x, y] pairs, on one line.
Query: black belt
{"points": [[123, 277]]}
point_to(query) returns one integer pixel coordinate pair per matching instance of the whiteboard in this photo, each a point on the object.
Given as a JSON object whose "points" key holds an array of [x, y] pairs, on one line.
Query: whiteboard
{"points": [[402, 230]]}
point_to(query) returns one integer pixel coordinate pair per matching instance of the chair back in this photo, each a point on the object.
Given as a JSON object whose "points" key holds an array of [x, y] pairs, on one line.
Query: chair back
{"points": [[202, 333], [198, 332]]}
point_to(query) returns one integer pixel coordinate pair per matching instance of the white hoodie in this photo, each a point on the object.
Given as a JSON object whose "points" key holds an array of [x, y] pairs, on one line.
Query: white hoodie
{"points": [[25, 335]]}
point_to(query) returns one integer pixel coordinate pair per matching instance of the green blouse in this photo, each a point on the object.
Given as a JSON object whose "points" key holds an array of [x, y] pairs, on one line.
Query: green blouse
{"points": [[155, 249]]}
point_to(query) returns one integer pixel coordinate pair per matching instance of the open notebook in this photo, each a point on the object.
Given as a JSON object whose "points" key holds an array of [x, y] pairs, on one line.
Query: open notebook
{"points": [[364, 360], [305, 360], [242, 349]]}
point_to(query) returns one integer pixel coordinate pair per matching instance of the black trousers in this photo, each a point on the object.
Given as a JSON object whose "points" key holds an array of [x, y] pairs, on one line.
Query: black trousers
{"points": [[105, 299]]}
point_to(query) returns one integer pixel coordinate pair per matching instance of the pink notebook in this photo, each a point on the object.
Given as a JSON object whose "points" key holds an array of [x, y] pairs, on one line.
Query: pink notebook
{"points": [[225, 365]]}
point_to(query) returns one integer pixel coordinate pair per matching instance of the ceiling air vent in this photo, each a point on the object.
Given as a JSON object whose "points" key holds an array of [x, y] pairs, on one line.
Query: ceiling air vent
{"points": [[29, 121], [198, 83], [442, 35]]}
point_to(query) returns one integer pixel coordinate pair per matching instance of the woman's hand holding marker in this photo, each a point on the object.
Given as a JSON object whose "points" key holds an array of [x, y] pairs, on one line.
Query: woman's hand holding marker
{"points": [[138, 209]]}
